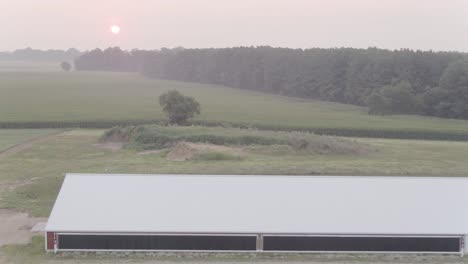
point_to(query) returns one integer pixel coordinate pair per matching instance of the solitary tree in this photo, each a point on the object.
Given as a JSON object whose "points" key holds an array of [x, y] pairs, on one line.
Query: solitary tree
{"points": [[66, 66], [178, 107]]}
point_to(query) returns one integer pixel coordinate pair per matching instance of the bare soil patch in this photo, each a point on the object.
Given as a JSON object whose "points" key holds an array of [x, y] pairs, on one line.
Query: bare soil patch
{"points": [[12, 185], [112, 146], [15, 227], [149, 152], [181, 152]]}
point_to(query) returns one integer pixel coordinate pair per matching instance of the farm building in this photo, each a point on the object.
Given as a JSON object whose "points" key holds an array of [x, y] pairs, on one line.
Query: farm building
{"points": [[100, 212]]}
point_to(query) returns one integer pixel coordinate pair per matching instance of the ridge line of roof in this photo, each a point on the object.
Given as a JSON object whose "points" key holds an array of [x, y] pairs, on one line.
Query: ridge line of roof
{"points": [[266, 176]]}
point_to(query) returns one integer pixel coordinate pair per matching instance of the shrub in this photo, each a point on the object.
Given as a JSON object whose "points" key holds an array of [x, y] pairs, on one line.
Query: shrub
{"points": [[157, 137], [66, 66], [178, 107], [157, 141], [216, 156], [121, 134]]}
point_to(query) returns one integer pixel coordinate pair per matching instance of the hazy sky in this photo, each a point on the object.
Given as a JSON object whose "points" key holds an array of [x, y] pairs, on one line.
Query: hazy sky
{"points": [[152, 24]]}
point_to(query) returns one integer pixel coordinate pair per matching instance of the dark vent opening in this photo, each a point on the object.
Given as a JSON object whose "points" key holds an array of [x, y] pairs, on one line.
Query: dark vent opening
{"points": [[157, 242], [334, 243]]}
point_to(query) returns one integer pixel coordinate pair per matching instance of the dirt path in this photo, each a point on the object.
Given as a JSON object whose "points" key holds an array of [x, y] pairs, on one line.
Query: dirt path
{"points": [[9, 186], [26, 144], [15, 227]]}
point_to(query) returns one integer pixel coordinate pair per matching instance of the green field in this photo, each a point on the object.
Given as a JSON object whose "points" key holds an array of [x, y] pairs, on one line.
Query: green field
{"points": [[11, 137], [85, 96]]}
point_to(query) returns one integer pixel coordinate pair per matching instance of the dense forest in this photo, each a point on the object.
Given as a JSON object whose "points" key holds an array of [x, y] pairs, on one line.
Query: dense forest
{"points": [[29, 54], [389, 82]]}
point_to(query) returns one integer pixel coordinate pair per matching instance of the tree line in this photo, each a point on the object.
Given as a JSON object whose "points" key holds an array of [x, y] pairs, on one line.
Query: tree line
{"points": [[388, 82], [29, 54]]}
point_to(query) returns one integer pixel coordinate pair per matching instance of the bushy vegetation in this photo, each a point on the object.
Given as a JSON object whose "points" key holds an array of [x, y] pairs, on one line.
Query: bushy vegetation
{"points": [[216, 156], [66, 66], [394, 99], [122, 134], [178, 107], [157, 137], [438, 80]]}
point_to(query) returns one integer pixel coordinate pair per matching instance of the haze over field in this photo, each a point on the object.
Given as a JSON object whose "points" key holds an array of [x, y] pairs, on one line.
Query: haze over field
{"points": [[364, 88], [149, 24]]}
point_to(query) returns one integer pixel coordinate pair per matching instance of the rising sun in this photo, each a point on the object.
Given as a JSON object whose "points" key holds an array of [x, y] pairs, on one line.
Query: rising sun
{"points": [[115, 29]]}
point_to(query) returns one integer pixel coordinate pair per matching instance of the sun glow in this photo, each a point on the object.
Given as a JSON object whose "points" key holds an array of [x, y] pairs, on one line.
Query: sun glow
{"points": [[115, 29]]}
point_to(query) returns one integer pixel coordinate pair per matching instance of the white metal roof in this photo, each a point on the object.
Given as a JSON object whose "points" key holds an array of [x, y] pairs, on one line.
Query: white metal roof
{"points": [[266, 204]]}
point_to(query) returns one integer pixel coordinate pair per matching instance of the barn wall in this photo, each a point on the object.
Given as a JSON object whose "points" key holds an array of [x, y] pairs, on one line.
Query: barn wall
{"points": [[259, 242], [50, 241], [465, 244]]}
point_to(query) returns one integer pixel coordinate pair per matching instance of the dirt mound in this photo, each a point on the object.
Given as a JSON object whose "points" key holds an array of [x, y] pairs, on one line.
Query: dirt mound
{"points": [[15, 227], [183, 151]]}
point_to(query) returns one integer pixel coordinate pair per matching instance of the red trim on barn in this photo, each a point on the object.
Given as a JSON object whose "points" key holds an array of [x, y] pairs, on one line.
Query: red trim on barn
{"points": [[50, 241]]}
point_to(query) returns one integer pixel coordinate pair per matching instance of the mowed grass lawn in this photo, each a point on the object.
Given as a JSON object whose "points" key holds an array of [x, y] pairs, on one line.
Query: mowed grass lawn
{"points": [[35, 174], [30, 181], [86, 96]]}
